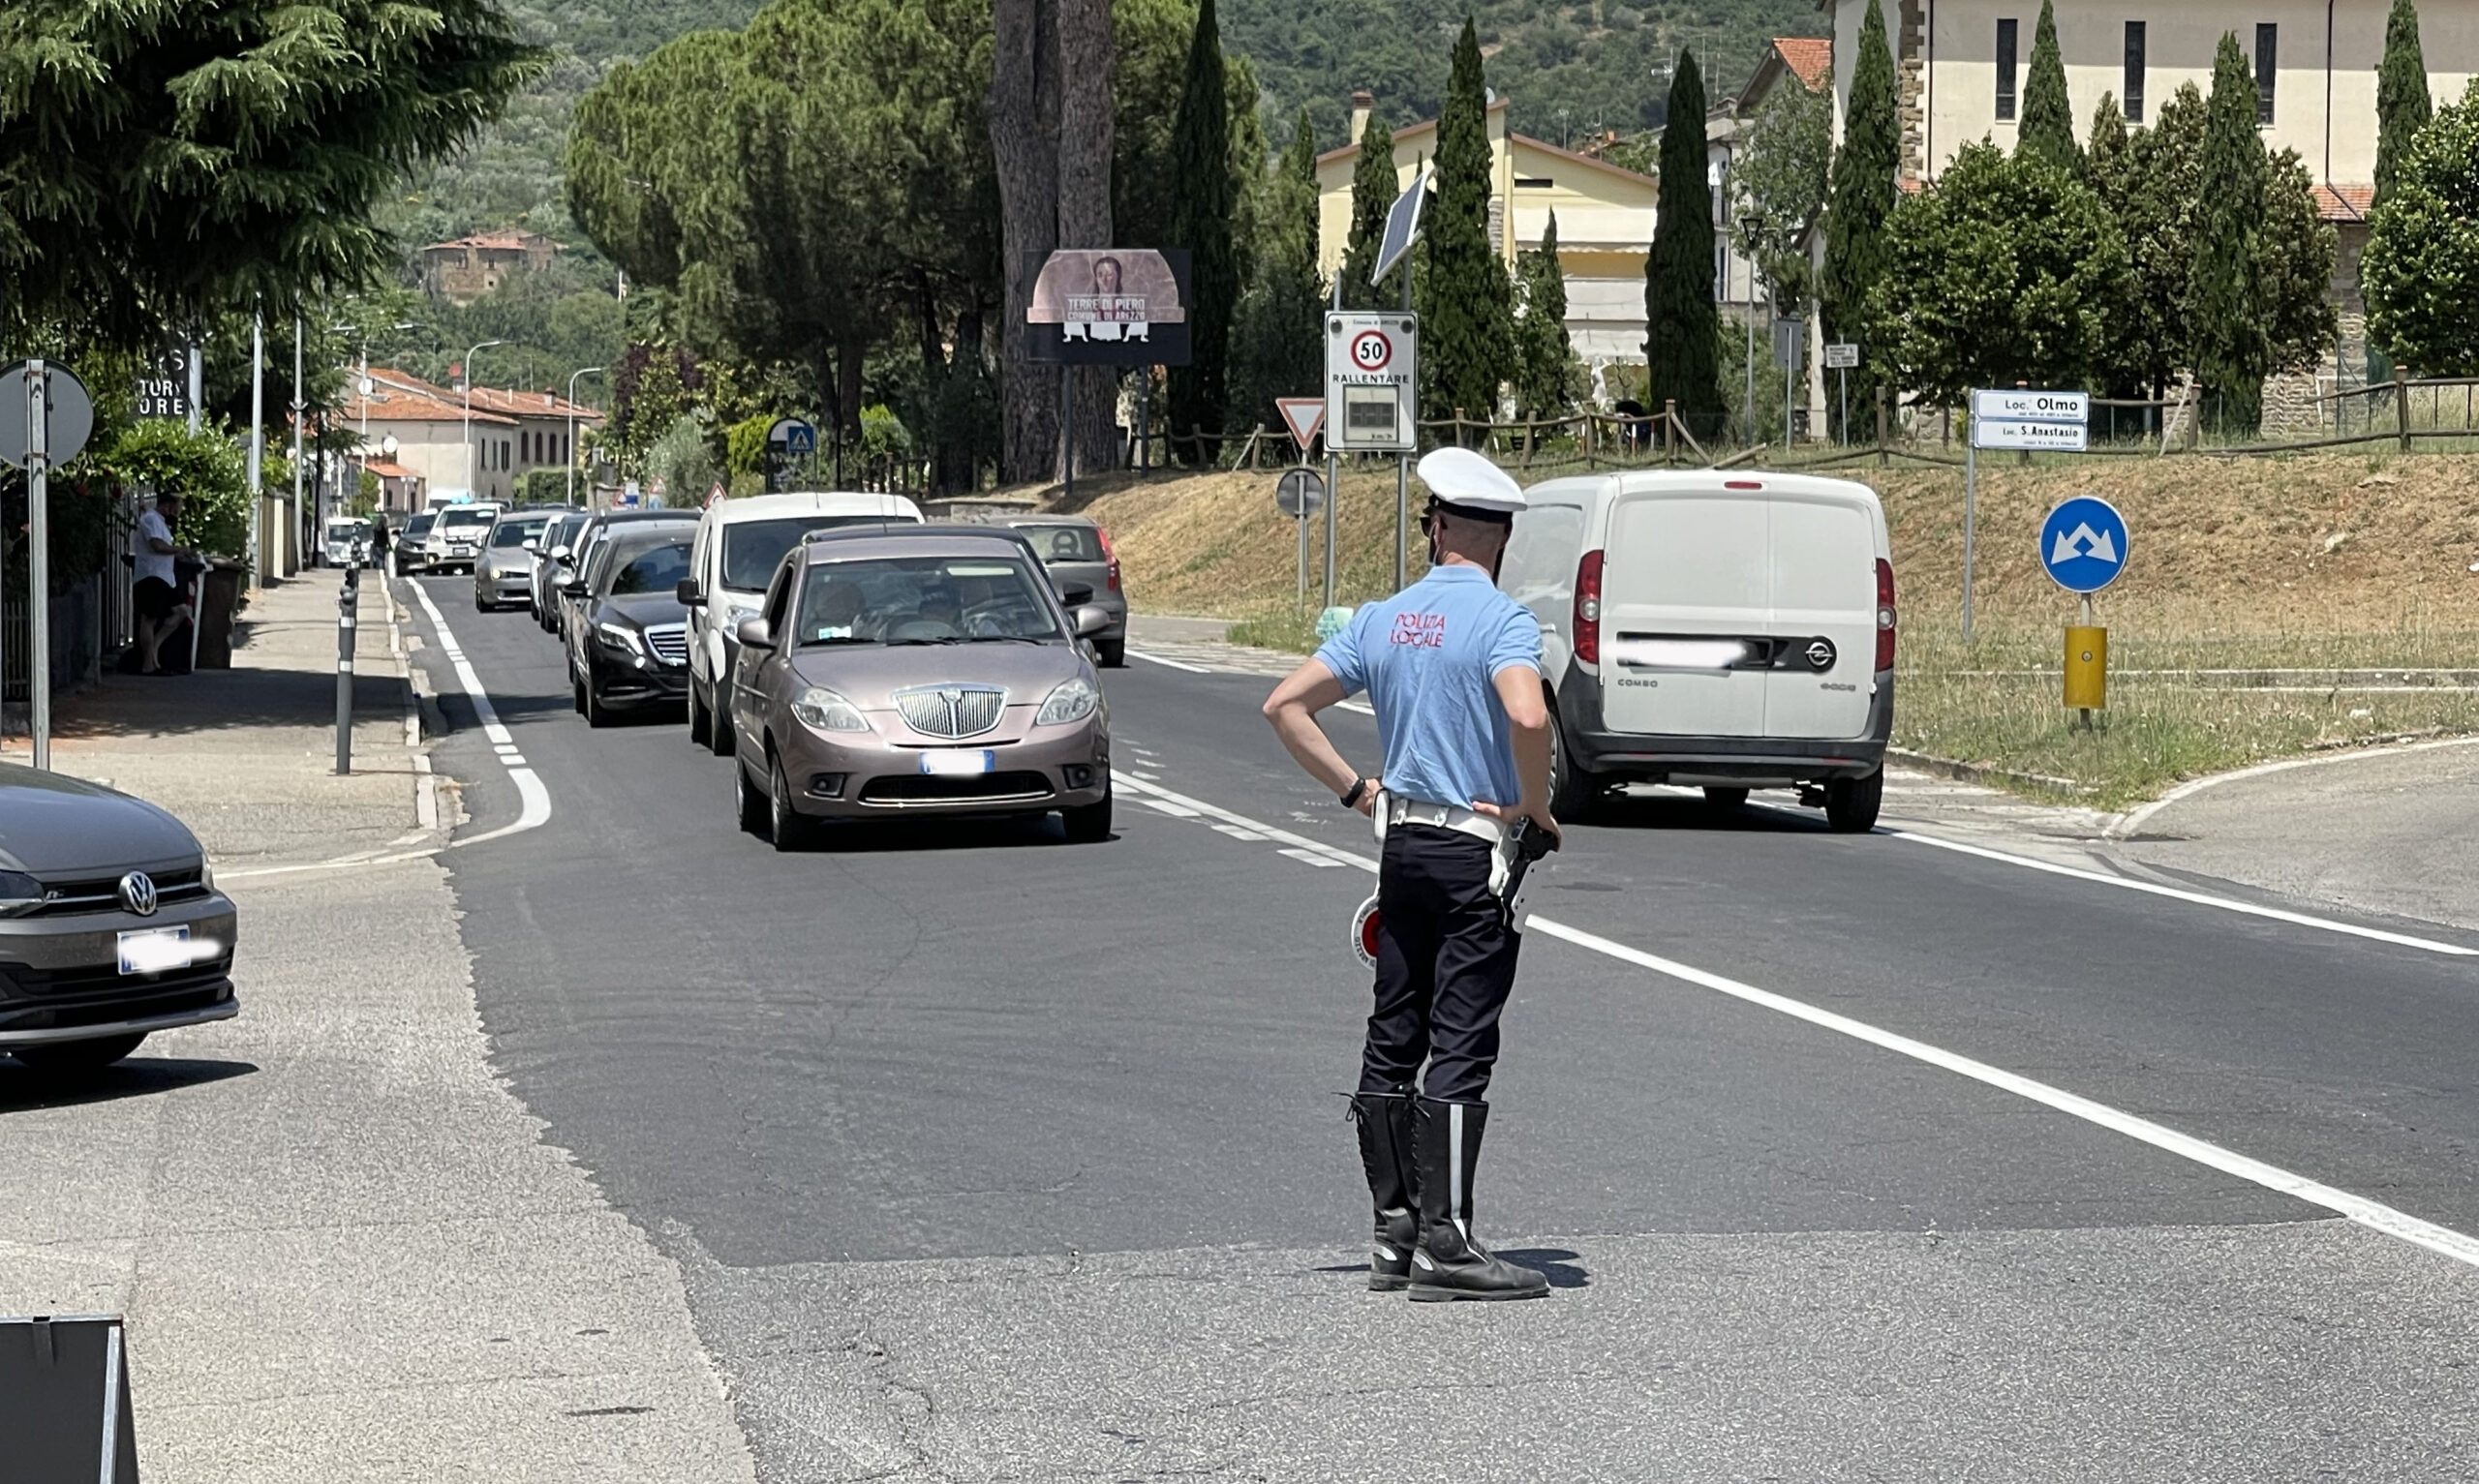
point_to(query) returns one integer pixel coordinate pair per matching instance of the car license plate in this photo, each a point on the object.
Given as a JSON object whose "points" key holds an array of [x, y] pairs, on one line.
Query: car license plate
{"points": [[154, 950], [950, 762]]}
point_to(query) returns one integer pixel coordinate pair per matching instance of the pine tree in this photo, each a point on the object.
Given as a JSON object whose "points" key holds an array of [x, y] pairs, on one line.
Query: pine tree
{"points": [[2047, 129], [2108, 169], [1202, 204], [2403, 107], [1541, 385], [1467, 322], [1374, 187], [2231, 353], [1855, 252], [1681, 344]]}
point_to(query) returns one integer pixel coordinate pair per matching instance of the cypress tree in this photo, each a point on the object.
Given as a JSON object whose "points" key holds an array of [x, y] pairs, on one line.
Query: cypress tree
{"points": [[1374, 187], [2403, 107], [1541, 386], [1277, 337], [2231, 351], [1862, 198], [2047, 130], [1682, 348], [1467, 324], [1202, 202]]}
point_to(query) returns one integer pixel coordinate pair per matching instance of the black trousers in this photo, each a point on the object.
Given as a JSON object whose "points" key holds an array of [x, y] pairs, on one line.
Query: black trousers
{"points": [[1444, 966]]}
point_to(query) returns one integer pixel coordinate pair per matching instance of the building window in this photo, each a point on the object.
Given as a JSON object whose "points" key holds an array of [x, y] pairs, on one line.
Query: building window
{"points": [[2268, 49], [504, 453], [2134, 72], [2005, 71]]}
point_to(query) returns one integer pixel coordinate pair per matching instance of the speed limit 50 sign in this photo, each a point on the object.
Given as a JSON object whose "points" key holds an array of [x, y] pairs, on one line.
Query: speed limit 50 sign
{"points": [[1372, 382]]}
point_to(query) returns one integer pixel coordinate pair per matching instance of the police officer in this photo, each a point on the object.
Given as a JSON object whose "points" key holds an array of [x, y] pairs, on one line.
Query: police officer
{"points": [[1452, 669]]}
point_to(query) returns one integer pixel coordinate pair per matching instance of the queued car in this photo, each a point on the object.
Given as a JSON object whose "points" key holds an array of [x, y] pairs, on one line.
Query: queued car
{"points": [[110, 926], [922, 670], [1078, 554], [413, 543], [504, 571], [630, 648], [586, 555], [345, 539], [454, 543], [739, 544], [551, 568]]}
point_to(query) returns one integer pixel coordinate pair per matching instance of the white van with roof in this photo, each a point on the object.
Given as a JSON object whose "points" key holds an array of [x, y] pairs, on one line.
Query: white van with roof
{"points": [[733, 557], [1720, 629]]}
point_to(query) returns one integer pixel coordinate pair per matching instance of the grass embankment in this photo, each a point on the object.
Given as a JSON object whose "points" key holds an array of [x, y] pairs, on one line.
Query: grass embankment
{"points": [[2258, 594]]}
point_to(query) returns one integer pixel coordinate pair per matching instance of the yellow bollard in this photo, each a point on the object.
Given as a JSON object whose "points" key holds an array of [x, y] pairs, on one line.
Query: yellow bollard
{"points": [[2087, 667]]}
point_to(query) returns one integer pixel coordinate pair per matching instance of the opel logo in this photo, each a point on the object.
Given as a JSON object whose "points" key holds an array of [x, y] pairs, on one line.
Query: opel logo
{"points": [[1820, 654], [138, 893]]}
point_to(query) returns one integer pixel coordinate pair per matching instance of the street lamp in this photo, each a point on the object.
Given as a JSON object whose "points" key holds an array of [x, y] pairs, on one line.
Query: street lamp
{"points": [[471, 493], [571, 449]]}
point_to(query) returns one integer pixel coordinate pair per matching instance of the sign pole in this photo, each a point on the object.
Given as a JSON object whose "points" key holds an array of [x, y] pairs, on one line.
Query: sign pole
{"points": [[1403, 472], [1333, 484], [1971, 503], [39, 560]]}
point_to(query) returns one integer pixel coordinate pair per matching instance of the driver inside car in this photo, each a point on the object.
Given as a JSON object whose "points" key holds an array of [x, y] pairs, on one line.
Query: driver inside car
{"points": [[831, 611]]}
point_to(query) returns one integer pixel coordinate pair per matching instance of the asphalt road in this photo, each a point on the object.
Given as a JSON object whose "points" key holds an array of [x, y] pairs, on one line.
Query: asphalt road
{"points": [[990, 1155]]}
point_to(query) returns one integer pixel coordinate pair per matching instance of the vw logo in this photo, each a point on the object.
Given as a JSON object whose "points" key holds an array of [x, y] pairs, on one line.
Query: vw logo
{"points": [[1820, 654], [138, 893]]}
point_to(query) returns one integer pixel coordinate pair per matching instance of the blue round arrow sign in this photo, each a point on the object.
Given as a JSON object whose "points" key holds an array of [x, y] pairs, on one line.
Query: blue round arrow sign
{"points": [[2083, 544]]}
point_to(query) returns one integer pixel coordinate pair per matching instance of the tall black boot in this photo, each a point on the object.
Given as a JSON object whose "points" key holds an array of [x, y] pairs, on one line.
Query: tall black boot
{"points": [[1450, 1263], [1388, 1153]]}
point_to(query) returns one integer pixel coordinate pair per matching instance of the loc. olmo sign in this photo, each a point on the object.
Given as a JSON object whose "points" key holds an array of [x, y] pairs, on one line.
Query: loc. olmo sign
{"points": [[2059, 421]]}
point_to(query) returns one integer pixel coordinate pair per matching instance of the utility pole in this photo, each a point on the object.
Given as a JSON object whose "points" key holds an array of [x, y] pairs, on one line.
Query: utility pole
{"points": [[471, 491], [571, 448], [258, 444], [300, 406]]}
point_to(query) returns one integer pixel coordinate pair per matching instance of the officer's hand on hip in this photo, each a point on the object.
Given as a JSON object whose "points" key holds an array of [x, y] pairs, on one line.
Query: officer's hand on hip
{"points": [[1508, 813]]}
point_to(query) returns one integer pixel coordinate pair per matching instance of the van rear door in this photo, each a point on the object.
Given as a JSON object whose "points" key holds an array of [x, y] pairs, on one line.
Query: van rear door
{"points": [[1679, 567], [1821, 581]]}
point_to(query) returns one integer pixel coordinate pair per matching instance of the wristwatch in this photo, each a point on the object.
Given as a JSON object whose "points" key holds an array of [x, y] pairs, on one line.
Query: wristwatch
{"points": [[1359, 786]]}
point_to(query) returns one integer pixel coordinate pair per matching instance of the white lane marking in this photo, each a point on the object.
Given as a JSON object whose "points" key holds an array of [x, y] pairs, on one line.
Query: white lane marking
{"points": [[2196, 898], [1269, 831], [1238, 834], [1172, 664], [2372, 1214], [1312, 857], [535, 800], [1176, 810], [2136, 818], [1361, 707]]}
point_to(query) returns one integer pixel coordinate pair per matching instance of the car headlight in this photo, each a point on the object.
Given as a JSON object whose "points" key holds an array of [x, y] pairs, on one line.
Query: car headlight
{"points": [[20, 893], [207, 874], [1073, 701], [620, 638], [824, 709]]}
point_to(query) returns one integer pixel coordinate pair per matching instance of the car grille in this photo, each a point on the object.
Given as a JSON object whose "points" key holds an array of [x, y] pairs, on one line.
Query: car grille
{"points": [[102, 893], [17, 979], [907, 789], [669, 642], [952, 711]]}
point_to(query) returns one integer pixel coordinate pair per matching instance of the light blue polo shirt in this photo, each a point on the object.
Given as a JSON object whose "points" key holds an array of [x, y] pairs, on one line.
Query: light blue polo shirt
{"points": [[1428, 656]]}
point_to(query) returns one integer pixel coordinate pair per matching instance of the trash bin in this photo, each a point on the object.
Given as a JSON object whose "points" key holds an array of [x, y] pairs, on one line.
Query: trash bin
{"points": [[221, 601]]}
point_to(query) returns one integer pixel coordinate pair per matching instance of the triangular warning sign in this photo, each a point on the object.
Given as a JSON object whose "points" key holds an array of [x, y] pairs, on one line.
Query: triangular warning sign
{"points": [[1304, 415]]}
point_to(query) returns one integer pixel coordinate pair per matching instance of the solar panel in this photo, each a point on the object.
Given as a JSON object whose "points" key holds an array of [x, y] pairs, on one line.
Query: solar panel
{"points": [[1402, 226]]}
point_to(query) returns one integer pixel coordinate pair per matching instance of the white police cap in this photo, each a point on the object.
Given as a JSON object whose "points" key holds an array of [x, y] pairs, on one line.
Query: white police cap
{"points": [[1470, 483]]}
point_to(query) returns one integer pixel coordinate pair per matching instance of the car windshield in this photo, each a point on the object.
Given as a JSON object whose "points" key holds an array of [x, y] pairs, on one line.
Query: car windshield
{"points": [[346, 530], [564, 532], [419, 524], [518, 533], [924, 600], [1064, 543], [466, 515], [649, 568], [753, 548]]}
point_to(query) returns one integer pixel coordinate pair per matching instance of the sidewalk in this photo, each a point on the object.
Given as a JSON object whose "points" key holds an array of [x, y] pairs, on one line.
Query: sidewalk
{"points": [[344, 1250]]}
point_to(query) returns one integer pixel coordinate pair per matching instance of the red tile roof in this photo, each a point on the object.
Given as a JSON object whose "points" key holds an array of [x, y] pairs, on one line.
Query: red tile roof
{"points": [[397, 404], [2345, 203], [515, 242], [388, 469], [1810, 59]]}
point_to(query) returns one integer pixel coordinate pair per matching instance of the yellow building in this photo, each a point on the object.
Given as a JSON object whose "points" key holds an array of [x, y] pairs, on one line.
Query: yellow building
{"points": [[1604, 221]]}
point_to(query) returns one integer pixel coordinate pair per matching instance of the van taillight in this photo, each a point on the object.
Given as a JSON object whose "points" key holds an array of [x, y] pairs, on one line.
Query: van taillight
{"points": [[1884, 613], [1109, 555], [1587, 637]]}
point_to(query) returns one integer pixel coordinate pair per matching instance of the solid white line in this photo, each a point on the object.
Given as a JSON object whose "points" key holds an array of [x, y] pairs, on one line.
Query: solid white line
{"points": [[1172, 664], [2373, 1214], [1216, 812], [2136, 818], [1361, 707], [1312, 857], [2196, 898], [534, 798]]}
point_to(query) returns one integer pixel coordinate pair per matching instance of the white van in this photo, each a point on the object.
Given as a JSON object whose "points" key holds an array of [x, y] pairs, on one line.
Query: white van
{"points": [[738, 544], [1717, 628]]}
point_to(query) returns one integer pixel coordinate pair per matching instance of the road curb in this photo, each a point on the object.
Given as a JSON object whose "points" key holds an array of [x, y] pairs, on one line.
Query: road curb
{"points": [[1981, 772]]}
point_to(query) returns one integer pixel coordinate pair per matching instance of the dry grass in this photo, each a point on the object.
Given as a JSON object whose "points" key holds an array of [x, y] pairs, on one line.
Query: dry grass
{"points": [[2314, 562]]}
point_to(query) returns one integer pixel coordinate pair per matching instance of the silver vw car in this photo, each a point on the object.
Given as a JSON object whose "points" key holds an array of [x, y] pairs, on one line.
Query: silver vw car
{"points": [[922, 670], [111, 927]]}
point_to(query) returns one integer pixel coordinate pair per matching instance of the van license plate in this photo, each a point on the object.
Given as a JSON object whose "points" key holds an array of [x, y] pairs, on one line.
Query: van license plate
{"points": [[154, 950], [948, 762]]}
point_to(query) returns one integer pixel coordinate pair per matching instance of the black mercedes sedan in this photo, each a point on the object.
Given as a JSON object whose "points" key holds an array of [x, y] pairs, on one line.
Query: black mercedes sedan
{"points": [[110, 926], [629, 648]]}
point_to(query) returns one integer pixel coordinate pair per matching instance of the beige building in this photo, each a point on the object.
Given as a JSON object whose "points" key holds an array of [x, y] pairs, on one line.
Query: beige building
{"points": [[467, 268], [509, 433], [1604, 221]]}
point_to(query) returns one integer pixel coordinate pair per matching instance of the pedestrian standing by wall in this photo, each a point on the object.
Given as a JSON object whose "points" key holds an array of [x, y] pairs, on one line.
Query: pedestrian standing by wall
{"points": [[155, 594], [1452, 669]]}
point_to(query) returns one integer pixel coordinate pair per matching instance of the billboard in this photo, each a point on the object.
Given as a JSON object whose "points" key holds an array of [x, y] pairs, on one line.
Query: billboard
{"points": [[1110, 307]]}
